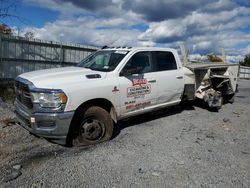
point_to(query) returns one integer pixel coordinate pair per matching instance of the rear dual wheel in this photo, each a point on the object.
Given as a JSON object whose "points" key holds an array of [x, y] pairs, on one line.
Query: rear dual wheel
{"points": [[95, 125]]}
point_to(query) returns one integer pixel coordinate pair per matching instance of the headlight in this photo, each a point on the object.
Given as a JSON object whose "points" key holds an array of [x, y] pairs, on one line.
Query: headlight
{"points": [[49, 100]]}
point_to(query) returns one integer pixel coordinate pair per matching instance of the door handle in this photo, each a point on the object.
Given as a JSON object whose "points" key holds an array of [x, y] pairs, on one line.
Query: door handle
{"points": [[151, 81], [179, 77]]}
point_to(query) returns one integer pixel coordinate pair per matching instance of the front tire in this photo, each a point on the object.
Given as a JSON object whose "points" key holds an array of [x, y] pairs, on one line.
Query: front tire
{"points": [[95, 125]]}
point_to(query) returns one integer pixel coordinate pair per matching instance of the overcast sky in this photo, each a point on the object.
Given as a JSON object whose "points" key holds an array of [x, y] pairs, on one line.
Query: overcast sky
{"points": [[204, 25]]}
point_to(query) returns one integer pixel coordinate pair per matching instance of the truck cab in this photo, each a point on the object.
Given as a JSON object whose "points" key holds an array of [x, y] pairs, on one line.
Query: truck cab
{"points": [[81, 104]]}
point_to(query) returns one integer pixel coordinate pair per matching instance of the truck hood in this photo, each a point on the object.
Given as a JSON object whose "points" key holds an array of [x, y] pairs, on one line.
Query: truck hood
{"points": [[57, 77]]}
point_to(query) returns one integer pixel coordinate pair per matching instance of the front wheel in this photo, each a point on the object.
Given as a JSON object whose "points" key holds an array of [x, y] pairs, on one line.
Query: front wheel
{"points": [[95, 126]]}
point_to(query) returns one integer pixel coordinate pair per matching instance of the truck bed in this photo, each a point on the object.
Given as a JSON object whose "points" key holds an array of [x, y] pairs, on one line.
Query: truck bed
{"points": [[210, 82], [202, 66]]}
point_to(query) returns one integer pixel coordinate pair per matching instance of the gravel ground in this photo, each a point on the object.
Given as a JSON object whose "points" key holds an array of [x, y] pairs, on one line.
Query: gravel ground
{"points": [[185, 146]]}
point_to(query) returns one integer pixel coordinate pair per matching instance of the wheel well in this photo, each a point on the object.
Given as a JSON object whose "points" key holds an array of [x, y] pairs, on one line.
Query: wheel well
{"points": [[103, 103]]}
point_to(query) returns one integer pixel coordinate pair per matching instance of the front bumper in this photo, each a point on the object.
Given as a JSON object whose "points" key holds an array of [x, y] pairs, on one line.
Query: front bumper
{"points": [[44, 124]]}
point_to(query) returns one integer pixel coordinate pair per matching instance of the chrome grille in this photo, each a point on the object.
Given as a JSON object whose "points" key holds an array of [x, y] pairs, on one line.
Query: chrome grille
{"points": [[23, 94]]}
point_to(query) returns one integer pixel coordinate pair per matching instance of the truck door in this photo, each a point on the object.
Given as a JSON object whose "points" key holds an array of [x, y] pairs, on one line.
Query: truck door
{"points": [[138, 90], [168, 77]]}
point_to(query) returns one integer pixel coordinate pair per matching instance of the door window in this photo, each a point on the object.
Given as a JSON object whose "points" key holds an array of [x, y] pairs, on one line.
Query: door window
{"points": [[138, 64], [164, 61]]}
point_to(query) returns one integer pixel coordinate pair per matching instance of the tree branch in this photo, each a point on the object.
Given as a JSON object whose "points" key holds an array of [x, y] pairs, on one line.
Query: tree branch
{"points": [[5, 8]]}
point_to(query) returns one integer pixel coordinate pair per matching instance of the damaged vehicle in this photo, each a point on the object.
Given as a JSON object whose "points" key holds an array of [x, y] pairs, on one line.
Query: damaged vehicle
{"points": [[80, 105], [212, 82]]}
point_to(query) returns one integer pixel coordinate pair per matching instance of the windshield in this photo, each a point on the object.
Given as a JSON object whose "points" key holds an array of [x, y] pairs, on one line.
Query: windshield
{"points": [[104, 60]]}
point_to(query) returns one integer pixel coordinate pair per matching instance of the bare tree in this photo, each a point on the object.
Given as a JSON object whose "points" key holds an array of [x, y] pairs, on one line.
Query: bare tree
{"points": [[7, 7], [29, 35]]}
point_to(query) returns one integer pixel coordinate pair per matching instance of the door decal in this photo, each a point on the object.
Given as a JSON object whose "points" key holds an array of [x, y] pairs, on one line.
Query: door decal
{"points": [[139, 81], [139, 90]]}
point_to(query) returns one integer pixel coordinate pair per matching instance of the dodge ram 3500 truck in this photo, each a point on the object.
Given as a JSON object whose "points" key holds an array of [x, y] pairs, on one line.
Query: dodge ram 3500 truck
{"points": [[81, 104]]}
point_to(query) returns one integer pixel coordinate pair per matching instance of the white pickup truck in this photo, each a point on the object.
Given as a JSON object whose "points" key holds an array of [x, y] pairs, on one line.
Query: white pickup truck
{"points": [[80, 104]]}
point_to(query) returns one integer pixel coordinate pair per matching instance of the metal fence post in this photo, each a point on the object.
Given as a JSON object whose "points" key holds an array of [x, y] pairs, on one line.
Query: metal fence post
{"points": [[61, 54]]}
